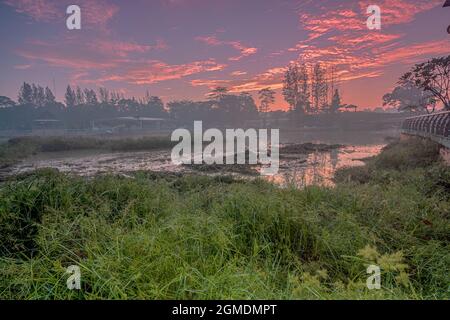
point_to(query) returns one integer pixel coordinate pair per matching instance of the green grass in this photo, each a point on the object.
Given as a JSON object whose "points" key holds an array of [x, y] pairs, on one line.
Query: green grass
{"points": [[194, 237]]}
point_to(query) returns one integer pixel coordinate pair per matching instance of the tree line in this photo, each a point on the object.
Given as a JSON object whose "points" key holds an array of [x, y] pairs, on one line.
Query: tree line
{"points": [[307, 88], [82, 105]]}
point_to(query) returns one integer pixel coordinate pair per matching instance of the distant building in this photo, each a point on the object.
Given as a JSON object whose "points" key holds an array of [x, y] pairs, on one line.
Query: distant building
{"points": [[349, 107]]}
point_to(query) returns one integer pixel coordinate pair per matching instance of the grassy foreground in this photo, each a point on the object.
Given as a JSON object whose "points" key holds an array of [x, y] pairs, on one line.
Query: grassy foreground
{"points": [[162, 237]]}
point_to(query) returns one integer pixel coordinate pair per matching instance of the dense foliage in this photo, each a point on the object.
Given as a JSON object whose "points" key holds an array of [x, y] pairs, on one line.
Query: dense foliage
{"points": [[155, 236]]}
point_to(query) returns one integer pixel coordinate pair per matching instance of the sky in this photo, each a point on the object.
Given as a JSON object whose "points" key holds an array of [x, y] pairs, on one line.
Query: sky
{"points": [[181, 49]]}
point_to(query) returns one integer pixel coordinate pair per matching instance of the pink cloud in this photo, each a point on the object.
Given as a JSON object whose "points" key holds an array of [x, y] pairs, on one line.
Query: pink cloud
{"points": [[123, 49], [400, 11], [367, 39], [39, 10], [209, 83], [340, 37], [111, 59], [238, 73], [98, 12], [352, 17], [95, 13], [270, 78], [244, 50], [154, 71], [68, 55]]}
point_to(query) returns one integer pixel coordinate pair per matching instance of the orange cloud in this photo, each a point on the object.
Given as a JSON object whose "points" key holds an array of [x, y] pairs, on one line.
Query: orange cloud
{"points": [[209, 83], [238, 73], [400, 11], [112, 60], [353, 17], [154, 71], [367, 39]]}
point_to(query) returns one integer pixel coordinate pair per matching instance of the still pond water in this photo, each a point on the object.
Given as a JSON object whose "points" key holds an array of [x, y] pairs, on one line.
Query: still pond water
{"points": [[315, 168]]}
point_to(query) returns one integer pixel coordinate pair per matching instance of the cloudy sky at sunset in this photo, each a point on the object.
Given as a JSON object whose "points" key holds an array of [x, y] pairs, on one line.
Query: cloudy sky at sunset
{"points": [[179, 49]]}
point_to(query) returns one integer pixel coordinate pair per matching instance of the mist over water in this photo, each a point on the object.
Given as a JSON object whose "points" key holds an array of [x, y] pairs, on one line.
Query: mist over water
{"points": [[302, 169]]}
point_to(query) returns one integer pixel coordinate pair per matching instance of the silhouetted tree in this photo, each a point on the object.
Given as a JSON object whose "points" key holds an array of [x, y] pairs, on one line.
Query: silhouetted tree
{"points": [[154, 107], [79, 97], [90, 97], [38, 98], [335, 102], [103, 95], [296, 87], [187, 111], [6, 102], [25, 94], [408, 97], [432, 76], [49, 96], [218, 93], [70, 97], [266, 98], [319, 88]]}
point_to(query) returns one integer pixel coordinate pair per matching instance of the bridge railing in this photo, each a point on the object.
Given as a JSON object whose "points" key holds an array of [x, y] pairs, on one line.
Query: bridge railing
{"points": [[432, 125]]}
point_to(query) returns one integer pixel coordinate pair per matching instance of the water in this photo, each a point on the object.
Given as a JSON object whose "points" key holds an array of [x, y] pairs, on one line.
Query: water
{"points": [[316, 168]]}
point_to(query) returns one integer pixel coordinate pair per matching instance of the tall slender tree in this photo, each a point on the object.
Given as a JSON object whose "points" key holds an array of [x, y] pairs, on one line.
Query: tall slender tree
{"points": [[90, 97], [296, 87], [104, 95], [25, 94], [49, 96], [319, 88], [70, 97], [266, 98], [80, 98], [335, 102]]}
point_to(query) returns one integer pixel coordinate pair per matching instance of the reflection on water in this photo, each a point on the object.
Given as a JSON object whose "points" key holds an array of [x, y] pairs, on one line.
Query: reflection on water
{"points": [[298, 170], [318, 168]]}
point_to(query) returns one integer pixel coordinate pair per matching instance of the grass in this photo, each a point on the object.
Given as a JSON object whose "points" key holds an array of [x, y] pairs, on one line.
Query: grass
{"points": [[397, 156], [19, 148], [195, 237]]}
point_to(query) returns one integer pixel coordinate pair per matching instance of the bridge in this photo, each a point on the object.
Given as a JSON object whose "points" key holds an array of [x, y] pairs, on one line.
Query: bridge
{"points": [[435, 126]]}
